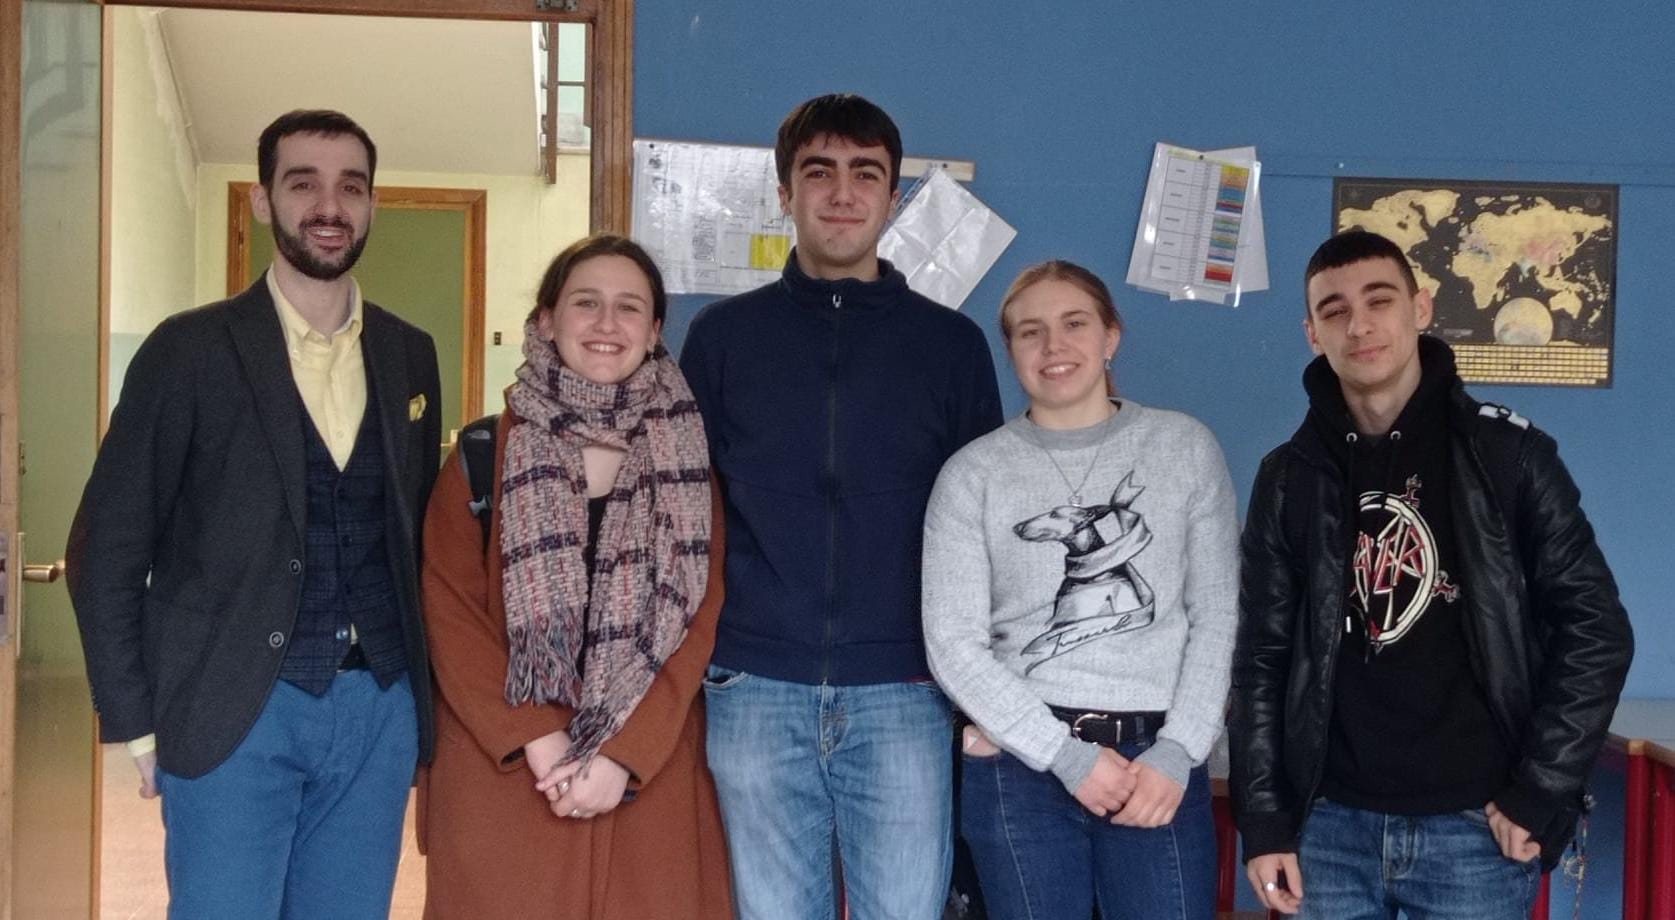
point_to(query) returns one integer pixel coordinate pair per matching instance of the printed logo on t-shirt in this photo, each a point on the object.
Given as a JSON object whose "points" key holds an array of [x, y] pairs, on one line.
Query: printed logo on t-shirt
{"points": [[1102, 593], [1396, 570]]}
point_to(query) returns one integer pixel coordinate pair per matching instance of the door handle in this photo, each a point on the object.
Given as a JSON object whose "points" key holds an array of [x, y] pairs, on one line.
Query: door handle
{"points": [[11, 589], [44, 574]]}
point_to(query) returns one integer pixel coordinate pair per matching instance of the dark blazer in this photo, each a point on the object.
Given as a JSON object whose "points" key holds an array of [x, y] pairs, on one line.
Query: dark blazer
{"points": [[184, 562]]}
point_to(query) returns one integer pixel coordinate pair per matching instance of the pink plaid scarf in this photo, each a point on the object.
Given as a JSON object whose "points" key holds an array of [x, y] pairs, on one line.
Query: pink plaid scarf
{"points": [[596, 648]]}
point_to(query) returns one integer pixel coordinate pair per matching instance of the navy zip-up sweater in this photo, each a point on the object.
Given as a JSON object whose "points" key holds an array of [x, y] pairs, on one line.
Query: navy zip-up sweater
{"points": [[830, 408]]}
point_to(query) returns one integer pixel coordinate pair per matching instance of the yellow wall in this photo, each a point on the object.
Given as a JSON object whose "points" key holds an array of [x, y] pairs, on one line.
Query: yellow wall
{"points": [[153, 189], [528, 223], [169, 213]]}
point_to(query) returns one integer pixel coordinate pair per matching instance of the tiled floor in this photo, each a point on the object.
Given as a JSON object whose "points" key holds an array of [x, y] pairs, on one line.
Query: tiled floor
{"points": [[131, 885]]}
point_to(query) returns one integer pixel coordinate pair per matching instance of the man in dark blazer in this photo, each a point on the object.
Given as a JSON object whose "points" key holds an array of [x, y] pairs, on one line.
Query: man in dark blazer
{"points": [[244, 562]]}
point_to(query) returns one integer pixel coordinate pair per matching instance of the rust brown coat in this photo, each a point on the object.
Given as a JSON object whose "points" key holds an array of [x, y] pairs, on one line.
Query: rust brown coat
{"points": [[494, 849]]}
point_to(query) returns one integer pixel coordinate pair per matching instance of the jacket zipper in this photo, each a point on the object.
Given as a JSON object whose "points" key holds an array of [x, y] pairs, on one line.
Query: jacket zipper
{"points": [[831, 492], [1329, 672]]}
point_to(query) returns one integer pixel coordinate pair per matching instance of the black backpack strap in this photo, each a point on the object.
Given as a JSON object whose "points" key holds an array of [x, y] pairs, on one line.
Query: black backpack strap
{"points": [[1500, 438], [476, 461]]}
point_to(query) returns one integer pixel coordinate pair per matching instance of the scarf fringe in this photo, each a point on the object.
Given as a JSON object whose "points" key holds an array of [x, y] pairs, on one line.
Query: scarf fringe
{"points": [[536, 665], [590, 728]]}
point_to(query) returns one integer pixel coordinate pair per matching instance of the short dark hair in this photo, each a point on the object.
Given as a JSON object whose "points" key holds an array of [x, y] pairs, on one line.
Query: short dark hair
{"points": [[1353, 246], [599, 244], [844, 115], [308, 121]]}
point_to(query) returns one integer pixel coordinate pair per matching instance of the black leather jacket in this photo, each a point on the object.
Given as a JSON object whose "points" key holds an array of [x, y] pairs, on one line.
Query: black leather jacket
{"points": [[1550, 642]]}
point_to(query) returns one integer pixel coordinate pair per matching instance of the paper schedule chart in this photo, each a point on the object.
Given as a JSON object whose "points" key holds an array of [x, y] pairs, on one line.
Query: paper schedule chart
{"points": [[1198, 223], [1193, 224]]}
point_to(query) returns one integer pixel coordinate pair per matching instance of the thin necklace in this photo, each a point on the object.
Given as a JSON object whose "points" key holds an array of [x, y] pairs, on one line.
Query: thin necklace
{"points": [[1075, 490]]}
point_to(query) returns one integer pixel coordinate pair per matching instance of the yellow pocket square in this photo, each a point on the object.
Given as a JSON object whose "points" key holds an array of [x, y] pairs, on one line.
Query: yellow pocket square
{"points": [[416, 408]]}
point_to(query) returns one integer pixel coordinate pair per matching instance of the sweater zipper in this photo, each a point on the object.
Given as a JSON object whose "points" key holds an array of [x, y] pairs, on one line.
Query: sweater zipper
{"points": [[831, 492]]}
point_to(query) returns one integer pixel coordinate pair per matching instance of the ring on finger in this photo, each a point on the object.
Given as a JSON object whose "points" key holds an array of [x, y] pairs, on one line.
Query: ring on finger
{"points": [[563, 788], [575, 812], [1270, 886]]}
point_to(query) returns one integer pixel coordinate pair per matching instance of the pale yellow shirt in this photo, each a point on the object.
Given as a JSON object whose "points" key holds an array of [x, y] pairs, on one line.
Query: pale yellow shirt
{"points": [[331, 376], [329, 371]]}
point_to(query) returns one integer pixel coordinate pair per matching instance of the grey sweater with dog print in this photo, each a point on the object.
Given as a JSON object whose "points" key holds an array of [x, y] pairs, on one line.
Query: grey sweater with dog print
{"points": [[1117, 593]]}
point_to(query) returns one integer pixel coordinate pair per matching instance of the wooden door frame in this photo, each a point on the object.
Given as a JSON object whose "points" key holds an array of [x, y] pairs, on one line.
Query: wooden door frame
{"points": [[11, 114], [472, 202], [611, 73]]}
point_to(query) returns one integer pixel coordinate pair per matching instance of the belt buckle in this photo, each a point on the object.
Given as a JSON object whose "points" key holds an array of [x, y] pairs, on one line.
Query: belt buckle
{"points": [[1076, 726]]}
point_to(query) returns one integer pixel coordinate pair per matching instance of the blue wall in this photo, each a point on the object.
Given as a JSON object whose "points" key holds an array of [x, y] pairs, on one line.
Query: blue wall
{"points": [[1059, 104]]}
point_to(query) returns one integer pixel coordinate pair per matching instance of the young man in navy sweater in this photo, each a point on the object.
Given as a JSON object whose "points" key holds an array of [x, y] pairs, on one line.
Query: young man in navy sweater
{"points": [[831, 397]]}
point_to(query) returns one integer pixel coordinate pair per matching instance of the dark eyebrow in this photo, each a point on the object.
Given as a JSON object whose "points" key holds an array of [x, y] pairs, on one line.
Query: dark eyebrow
{"points": [[854, 162], [598, 293], [315, 171], [1331, 298], [1367, 288]]}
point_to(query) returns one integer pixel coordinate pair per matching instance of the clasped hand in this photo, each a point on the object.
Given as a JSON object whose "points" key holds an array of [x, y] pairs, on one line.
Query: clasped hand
{"points": [[1131, 793], [571, 790]]}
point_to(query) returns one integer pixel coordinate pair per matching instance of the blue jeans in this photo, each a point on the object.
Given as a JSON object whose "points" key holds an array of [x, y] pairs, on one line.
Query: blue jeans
{"points": [[1041, 856], [797, 765], [1359, 865], [303, 819]]}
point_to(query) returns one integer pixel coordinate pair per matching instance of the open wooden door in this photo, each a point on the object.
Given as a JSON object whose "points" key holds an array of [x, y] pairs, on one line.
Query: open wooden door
{"points": [[51, 367], [49, 376]]}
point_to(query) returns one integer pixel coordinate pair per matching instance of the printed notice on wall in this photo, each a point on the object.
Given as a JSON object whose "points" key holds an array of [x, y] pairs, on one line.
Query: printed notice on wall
{"points": [[709, 214], [1200, 234]]}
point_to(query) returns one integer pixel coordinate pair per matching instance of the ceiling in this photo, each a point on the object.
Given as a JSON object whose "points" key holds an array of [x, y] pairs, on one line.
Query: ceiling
{"points": [[452, 96]]}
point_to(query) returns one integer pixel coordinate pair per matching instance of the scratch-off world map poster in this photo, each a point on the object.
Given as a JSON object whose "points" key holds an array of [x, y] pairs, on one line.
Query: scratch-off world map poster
{"points": [[1523, 274]]}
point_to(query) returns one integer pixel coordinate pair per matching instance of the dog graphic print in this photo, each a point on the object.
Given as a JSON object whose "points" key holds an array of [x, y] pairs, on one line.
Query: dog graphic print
{"points": [[1103, 593]]}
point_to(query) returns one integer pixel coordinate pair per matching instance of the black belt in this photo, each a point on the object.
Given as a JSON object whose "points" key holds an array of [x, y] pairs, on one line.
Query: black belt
{"points": [[354, 660], [1110, 728]]}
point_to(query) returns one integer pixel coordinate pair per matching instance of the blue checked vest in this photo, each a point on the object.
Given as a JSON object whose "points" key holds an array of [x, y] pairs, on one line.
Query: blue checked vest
{"points": [[346, 566]]}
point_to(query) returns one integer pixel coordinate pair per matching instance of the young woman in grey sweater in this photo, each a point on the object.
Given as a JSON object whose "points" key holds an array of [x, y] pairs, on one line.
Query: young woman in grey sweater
{"points": [[1080, 598]]}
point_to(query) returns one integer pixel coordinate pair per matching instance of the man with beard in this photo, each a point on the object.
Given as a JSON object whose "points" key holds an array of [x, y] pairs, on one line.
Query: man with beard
{"points": [[244, 561]]}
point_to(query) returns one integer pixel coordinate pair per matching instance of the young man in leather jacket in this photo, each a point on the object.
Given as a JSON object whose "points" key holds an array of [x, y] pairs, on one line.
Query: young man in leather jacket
{"points": [[1431, 643]]}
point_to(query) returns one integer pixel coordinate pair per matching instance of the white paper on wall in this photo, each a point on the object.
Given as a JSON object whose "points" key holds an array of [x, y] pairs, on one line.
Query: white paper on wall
{"points": [[944, 239]]}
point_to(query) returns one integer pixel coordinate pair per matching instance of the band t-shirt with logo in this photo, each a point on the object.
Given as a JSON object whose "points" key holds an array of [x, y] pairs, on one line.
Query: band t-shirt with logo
{"points": [[1411, 732]]}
